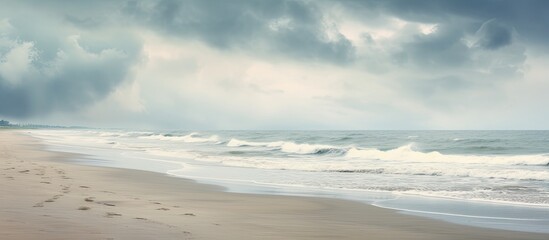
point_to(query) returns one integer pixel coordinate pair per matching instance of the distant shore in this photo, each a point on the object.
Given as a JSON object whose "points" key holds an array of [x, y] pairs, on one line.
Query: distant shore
{"points": [[45, 197]]}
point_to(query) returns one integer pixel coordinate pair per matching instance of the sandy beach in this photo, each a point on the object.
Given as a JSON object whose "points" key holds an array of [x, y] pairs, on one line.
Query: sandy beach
{"points": [[46, 197]]}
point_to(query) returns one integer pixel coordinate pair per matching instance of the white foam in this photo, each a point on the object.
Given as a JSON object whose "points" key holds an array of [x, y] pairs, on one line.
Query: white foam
{"points": [[287, 147], [189, 138], [240, 143], [179, 154], [407, 154]]}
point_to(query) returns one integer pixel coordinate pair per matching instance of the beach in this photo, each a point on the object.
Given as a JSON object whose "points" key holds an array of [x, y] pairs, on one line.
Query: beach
{"points": [[46, 197]]}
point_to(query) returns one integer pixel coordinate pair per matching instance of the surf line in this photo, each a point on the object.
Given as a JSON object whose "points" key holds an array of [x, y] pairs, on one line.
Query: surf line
{"points": [[460, 215]]}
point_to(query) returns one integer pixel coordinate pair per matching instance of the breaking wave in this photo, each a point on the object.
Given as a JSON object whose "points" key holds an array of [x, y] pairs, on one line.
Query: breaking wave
{"points": [[189, 138], [290, 147], [406, 153]]}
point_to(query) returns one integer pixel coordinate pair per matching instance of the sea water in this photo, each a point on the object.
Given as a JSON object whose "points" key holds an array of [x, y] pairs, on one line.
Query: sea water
{"points": [[497, 179]]}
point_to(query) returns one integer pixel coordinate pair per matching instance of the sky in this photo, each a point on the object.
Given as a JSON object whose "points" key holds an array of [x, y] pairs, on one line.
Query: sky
{"points": [[276, 64]]}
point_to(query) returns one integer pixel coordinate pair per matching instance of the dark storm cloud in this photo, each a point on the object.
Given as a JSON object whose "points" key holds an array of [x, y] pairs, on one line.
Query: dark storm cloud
{"points": [[48, 64], [441, 49], [477, 46], [493, 35], [487, 36], [528, 17], [287, 27], [495, 24]]}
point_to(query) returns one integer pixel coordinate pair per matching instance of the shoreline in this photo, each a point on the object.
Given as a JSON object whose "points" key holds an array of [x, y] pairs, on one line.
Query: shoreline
{"points": [[43, 195]]}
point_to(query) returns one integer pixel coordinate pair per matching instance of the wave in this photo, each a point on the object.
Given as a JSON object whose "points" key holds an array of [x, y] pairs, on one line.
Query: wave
{"points": [[240, 143], [289, 147], [406, 153], [189, 138], [109, 134], [122, 134], [400, 161], [342, 166]]}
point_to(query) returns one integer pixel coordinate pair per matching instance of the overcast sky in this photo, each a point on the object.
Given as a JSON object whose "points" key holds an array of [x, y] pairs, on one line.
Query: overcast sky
{"points": [[297, 64]]}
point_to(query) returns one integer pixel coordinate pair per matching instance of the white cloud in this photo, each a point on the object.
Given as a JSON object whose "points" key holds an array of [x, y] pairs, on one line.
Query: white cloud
{"points": [[282, 23], [428, 28], [15, 65]]}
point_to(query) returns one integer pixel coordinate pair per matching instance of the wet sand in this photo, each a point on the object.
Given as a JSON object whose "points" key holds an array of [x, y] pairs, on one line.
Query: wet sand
{"points": [[44, 196]]}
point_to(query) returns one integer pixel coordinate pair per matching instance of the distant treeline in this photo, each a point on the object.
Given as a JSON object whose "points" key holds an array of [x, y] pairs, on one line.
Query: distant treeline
{"points": [[7, 124], [4, 123]]}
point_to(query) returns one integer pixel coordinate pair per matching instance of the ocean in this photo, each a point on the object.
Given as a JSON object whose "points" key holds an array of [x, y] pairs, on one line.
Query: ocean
{"points": [[497, 179]]}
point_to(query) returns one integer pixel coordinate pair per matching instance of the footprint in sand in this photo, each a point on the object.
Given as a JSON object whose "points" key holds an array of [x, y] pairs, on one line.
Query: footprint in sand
{"points": [[84, 208], [46, 182], [189, 214], [24, 171], [89, 199], [84, 187], [40, 204], [66, 189], [112, 214], [55, 197], [110, 204], [140, 218], [163, 209]]}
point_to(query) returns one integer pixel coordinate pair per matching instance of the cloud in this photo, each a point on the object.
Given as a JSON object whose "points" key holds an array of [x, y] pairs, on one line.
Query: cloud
{"points": [[62, 68], [440, 50], [290, 28], [446, 49], [529, 18], [493, 35], [288, 64]]}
